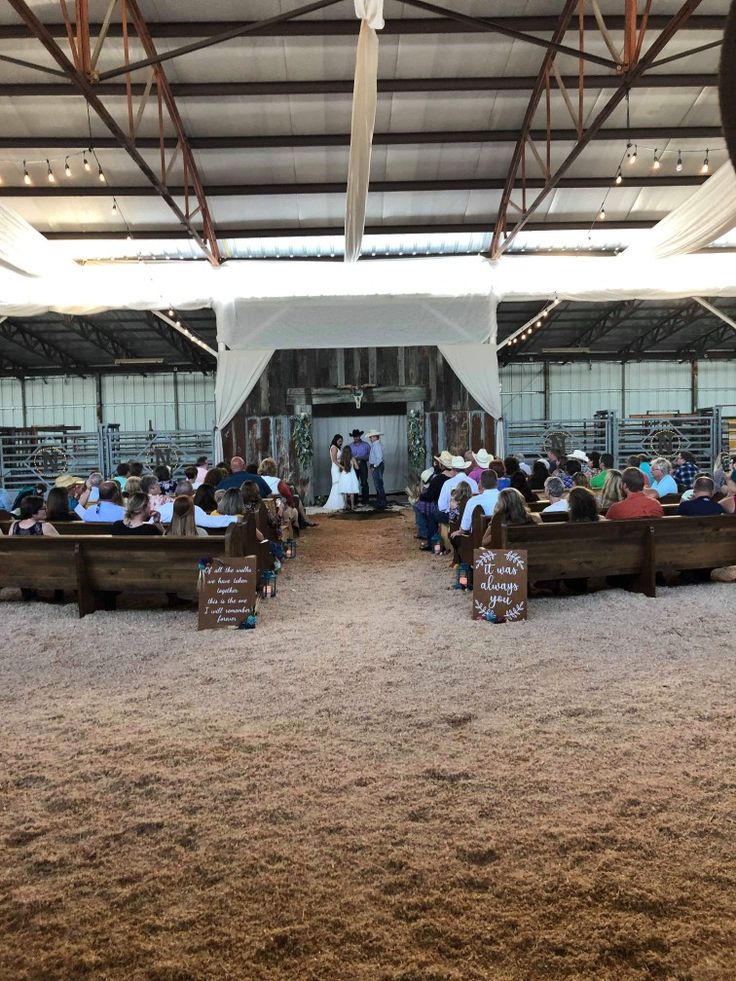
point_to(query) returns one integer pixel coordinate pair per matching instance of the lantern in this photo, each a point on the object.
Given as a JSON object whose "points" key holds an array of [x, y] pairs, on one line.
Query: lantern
{"points": [[290, 548], [436, 543], [268, 585], [462, 576]]}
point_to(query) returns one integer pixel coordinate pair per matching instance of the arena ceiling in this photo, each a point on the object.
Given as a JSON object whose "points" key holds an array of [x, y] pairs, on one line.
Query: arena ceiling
{"points": [[476, 122]]}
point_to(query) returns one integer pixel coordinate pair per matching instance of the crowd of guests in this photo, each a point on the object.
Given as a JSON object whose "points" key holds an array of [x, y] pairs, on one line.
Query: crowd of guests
{"points": [[585, 485], [134, 501]]}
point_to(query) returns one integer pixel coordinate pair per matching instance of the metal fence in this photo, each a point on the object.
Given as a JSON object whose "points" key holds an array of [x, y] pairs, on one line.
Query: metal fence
{"points": [[705, 434], [29, 456]]}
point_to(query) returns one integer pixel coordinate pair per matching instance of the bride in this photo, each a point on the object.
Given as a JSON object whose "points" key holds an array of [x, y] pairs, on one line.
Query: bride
{"points": [[336, 500]]}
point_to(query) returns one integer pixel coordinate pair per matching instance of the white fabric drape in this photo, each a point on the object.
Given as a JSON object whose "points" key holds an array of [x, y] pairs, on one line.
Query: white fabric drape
{"points": [[500, 439], [707, 214], [365, 86], [24, 250], [476, 365], [237, 374]]}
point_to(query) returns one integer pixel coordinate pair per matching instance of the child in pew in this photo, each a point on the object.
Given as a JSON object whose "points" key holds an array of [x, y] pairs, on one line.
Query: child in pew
{"points": [[137, 519]]}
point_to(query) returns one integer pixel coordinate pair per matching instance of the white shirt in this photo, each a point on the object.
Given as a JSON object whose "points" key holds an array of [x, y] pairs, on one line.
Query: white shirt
{"points": [[273, 483], [486, 500], [664, 486], [102, 511], [201, 518], [375, 457], [557, 506], [444, 502]]}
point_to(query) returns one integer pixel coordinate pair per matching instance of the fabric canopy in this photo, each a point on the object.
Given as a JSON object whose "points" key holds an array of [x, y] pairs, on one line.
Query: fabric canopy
{"points": [[476, 365], [365, 88], [237, 374]]}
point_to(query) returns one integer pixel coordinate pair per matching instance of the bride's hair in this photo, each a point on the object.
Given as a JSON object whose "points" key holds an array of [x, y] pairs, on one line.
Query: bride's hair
{"points": [[346, 458], [335, 438]]}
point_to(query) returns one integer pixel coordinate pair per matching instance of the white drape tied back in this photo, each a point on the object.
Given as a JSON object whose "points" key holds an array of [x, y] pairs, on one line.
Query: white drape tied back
{"points": [[237, 374], [365, 88]]}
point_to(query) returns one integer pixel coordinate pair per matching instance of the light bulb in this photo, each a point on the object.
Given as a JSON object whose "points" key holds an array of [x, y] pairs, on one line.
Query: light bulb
{"points": [[101, 176], [632, 157], [178, 323], [114, 206], [67, 168], [602, 214], [26, 175], [171, 311], [85, 162], [539, 323], [678, 165], [655, 163], [619, 176], [50, 175], [129, 237], [706, 165]]}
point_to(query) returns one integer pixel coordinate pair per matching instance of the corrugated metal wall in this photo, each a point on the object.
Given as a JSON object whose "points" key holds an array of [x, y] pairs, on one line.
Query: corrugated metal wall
{"points": [[575, 392]]}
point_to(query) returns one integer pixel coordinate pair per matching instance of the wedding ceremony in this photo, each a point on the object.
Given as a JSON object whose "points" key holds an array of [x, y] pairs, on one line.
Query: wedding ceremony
{"points": [[367, 490]]}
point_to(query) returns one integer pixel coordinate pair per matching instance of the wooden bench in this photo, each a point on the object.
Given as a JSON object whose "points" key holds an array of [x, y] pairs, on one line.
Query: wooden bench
{"points": [[636, 548], [98, 528], [100, 566]]}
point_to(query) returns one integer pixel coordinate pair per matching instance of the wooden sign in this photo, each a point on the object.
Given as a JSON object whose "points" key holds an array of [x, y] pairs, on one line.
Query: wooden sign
{"points": [[499, 584], [227, 592]]}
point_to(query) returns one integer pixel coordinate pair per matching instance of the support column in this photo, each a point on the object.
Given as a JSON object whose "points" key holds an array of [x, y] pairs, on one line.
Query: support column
{"points": [[98, 399], [23, 404], [177, 426], [545, 375], [694, 394]]}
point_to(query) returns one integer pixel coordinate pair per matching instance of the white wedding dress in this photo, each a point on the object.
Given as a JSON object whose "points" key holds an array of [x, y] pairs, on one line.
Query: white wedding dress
{"points": [[336, 500]]}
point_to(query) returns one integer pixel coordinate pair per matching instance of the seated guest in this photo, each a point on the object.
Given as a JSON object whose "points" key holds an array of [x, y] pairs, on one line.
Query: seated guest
{"points": [[136, 468], [555, 491], [539, 475], [486, 501], [598, 479], [523, 465], [568, 471], [151, 486], [645, 466], [202, 469], [182, 519], [168, 486], [701, 503], [73, 487], [481, 461], [121, 474], [268, 469], [440, 513], [231, 502], [634, 461], [517, 479], [458, 500], [613, 490], [202, 520], [238, 475], [425, 507], [636, 503], [686, 469], [205, 498], [594, 460], [109, 507], [250, 503], [190, 474], [133, 485], [32, 520], [136, 520], [581, 480], [555, 461], [661, 482], [91, 492], [503, 480], [512, 508], [582, 505], [57, 506]]}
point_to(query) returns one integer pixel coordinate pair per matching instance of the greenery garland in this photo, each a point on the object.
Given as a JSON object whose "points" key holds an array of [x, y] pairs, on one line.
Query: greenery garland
{"points": [[302, 433], [417, 445]]}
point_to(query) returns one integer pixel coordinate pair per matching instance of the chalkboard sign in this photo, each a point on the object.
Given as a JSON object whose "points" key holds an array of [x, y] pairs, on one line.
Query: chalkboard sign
{"points": [[499, 584], [227, 592]]}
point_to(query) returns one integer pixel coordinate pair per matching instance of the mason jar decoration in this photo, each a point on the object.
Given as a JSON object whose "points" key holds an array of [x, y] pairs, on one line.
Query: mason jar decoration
{"points": [[290, 548], [268, 584], [462, 576], [436, 543]]}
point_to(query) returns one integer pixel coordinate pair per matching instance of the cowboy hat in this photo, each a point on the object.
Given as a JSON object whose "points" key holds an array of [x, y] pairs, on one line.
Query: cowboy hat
{"points": [[372, 432], [68, 480], [578, 455], [483, 457], [444, 459], [356, 432], [459, 464], [426, 474]]}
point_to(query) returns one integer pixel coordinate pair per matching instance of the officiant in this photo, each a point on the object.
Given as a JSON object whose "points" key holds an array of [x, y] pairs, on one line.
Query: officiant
{"points": [[361, 451]]}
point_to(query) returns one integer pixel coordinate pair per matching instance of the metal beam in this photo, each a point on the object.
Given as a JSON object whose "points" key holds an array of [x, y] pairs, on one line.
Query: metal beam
{"points": [[349, 27], [99, 337], [658, 134], [390, 86], [609, 357], [607, 322], [664, 328], [182, 345], [715, 311], [711, 339], [20, 334], [336, 187], [85, 88], [631, 77]]}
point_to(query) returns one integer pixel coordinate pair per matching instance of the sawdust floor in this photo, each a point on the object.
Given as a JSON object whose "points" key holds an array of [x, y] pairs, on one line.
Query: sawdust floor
{"points": [[370, 785]]}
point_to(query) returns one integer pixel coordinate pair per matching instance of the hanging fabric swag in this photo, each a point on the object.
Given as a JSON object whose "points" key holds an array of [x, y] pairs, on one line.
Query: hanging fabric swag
{"points": [[237, 374]]}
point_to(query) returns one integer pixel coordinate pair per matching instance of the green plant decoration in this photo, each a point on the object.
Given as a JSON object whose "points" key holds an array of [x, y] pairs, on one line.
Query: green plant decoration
{"points": [[417, 445], [302, 435]]}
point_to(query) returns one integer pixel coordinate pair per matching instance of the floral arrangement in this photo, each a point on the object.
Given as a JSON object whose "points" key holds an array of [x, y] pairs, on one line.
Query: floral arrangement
{"points": [[303, 445], [417, 445]]}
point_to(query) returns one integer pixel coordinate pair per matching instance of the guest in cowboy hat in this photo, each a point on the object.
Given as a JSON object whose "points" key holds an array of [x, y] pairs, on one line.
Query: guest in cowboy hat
{"points": [[483, 460], [375, 465], [440, 514], [427, 502], [361, 451]]}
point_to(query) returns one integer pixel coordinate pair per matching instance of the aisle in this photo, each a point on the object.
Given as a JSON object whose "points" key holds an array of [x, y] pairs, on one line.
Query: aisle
{"points": [[369, 785]]}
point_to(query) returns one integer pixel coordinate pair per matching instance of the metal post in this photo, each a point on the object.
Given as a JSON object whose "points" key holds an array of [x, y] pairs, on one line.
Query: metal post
{"points": [[23, 404], [176, 400], [98, 390], [612, 436], [694, 397], [545, 375]]}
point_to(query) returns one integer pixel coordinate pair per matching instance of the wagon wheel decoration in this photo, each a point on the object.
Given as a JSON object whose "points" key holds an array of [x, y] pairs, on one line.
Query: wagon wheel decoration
{"points": [[49, 460], [163, 454], [556, 441], [664, 442]]}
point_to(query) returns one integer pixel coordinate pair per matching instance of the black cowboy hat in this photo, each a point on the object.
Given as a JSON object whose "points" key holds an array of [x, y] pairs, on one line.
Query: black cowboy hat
{"points": [[357, 432]]}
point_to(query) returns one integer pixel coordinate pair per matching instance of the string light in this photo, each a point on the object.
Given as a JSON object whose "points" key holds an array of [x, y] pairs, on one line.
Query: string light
{"points": [[101, 177], [602, 213], [26, 175], [67, 168], [706, 165], [50, 174], [85, 164], [619, 176], [114, 206], [655, 163], [171, 311], [632, 156]]}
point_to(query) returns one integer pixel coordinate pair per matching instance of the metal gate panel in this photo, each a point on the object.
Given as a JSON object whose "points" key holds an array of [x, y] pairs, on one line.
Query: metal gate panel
{"points": [[29, 456]]}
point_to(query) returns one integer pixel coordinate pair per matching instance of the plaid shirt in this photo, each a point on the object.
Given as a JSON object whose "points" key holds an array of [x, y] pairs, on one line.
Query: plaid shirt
{"points": [[685, 474]]}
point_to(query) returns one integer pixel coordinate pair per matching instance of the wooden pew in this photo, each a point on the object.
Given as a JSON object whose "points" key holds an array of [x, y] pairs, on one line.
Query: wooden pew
{"points": [[639, 548], [98, 528], [100, 566]]}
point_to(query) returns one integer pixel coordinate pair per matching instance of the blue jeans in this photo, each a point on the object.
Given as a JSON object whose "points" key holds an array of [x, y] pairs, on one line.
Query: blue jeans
{"points": [[378, 482], [435, 518]]}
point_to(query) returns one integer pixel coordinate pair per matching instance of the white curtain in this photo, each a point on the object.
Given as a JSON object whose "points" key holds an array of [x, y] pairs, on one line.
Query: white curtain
{"points": [[500, 439], [237, 374], [365, 87], [476, 365], [24, 250], [706, 215]]}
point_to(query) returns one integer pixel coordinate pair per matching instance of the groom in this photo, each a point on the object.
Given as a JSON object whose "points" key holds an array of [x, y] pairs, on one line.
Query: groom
{"points": [[375, 465], [361, 450]]}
